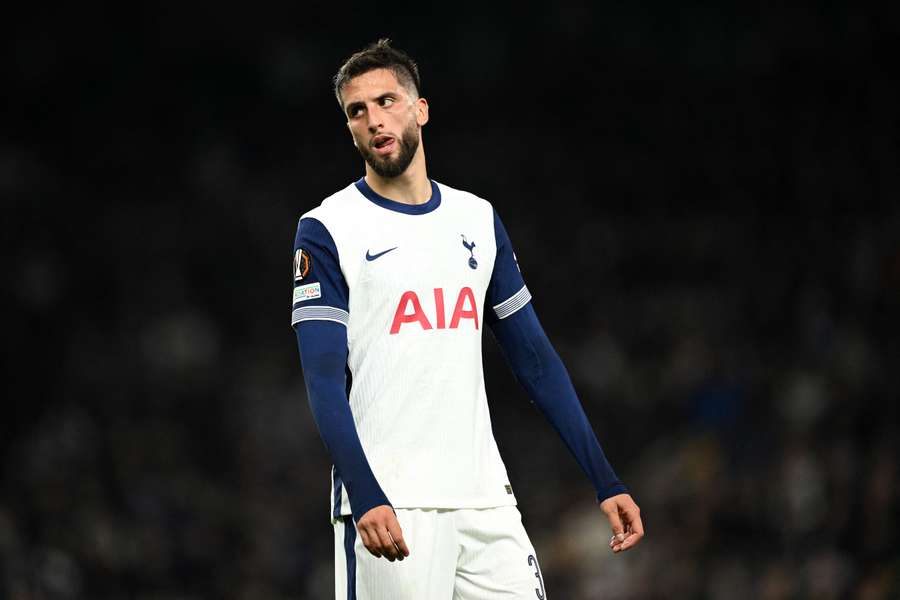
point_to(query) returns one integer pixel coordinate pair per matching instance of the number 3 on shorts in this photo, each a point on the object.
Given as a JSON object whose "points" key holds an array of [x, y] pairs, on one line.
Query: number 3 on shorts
{"points": [[532, 561]]}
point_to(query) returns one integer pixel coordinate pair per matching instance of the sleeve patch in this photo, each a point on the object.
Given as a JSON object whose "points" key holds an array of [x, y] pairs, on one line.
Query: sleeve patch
{"points": [[302, 264], [310, 291]]}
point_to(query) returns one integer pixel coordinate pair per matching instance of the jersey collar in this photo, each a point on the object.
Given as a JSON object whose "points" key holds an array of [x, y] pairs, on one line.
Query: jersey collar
{"points": [[409, 209]]}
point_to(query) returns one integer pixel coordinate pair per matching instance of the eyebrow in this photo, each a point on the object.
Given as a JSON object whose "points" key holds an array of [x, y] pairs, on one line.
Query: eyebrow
{"points": [[354, 105]]}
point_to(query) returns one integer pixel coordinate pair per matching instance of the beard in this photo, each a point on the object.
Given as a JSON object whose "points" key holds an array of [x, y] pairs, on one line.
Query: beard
{"points": [[388, 167]]}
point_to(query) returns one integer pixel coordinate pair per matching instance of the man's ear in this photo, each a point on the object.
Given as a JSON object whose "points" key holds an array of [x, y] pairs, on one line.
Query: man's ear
{"points": [[421, 111]]}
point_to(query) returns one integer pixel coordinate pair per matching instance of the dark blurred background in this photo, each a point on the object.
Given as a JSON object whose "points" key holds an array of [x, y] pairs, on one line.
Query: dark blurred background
{"points": [[703, 201]]}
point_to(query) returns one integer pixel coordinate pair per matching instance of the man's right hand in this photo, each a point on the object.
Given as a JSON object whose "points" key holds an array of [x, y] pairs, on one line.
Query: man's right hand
{"points": [[381, 534]]}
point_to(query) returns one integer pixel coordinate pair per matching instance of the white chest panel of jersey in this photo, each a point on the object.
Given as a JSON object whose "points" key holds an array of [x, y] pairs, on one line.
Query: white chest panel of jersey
{"points": [[417, 285]]}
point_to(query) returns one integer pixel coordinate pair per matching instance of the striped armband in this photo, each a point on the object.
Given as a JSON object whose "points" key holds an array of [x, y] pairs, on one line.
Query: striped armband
{"points": [[319, 313], [513, 303]]}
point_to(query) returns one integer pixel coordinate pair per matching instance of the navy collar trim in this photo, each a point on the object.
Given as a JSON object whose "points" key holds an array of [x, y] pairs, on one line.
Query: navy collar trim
{"points": [[409, 209]]}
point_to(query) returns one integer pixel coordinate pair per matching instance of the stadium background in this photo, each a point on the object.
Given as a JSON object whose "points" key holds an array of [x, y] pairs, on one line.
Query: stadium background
{"points": [[703, 202]]}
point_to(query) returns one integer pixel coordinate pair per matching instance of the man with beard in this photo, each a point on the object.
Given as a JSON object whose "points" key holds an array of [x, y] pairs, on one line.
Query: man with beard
{"points": [[394, 277]]}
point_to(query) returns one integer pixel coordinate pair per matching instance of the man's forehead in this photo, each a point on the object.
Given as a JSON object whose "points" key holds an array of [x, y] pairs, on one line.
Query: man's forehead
{"points": [[371, 84]]}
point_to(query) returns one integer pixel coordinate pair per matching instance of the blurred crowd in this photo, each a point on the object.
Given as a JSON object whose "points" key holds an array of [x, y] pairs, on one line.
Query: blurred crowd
{"points": [[712, 241]]}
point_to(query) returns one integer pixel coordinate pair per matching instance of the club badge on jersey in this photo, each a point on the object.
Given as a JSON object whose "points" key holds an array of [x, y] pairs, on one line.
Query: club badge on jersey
{"points": [[302, 264], [471, 248]]}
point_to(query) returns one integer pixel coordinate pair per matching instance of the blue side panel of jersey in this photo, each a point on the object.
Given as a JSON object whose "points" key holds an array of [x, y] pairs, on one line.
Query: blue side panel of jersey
{"points": [[336, 481], [506, 280], [324, 269], [338, 487]]}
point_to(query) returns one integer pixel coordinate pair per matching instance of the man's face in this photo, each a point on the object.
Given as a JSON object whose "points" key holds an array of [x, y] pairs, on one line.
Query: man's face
{"points": [[384, 119]]}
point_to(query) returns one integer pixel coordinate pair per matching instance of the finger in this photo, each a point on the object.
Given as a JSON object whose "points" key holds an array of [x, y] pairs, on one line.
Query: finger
{"points": [[629, 543], [367, 542], [634, 529], [637, 532], [396, 534], [635, 523], [387, 548], [400, 555], [615, 523]]}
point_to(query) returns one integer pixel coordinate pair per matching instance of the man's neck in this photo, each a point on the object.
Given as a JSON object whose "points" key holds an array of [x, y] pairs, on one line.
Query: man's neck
{"points": [[410, 187]]}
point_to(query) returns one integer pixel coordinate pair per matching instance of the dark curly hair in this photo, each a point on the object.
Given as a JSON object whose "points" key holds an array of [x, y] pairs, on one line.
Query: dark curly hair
{"points": [[379, 55]]}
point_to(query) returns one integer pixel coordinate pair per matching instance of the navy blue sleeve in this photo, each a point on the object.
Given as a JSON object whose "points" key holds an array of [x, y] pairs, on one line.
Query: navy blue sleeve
{"points": [[506, 291], [319, 317], [320, 290], [538, 368], [323, 353]]}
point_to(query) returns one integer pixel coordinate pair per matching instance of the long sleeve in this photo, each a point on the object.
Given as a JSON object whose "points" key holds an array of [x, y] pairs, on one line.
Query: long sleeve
{"points": [[319, 315], [323, 353], [538, 368]]}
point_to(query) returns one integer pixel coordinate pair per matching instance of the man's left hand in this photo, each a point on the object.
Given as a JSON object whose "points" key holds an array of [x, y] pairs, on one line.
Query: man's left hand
{"points": [[625, 520]]}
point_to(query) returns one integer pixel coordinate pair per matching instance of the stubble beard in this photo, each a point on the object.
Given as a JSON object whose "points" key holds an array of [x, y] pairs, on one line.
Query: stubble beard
{"points": [[388, 167]]}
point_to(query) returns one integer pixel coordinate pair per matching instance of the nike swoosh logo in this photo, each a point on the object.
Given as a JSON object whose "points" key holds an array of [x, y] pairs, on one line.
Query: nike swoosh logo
{"points": [[371, 257]]}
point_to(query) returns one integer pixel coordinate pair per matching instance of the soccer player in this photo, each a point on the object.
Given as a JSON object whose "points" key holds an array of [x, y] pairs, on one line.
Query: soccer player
{"points": [[395, 277]]}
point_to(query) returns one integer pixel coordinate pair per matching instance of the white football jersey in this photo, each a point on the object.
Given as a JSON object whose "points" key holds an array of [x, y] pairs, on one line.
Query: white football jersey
{"points": [[412, 284]]}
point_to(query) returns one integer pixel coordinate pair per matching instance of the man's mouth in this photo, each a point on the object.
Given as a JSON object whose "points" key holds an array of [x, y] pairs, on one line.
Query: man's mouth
{"points": [[383, 144]]}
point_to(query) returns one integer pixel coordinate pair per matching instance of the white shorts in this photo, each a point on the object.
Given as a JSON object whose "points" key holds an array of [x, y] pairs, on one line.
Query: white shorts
{"points": [[461, 554]]}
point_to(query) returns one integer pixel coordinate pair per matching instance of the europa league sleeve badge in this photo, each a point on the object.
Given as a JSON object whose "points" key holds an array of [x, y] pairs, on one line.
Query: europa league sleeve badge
{"points": [[302, 264]]}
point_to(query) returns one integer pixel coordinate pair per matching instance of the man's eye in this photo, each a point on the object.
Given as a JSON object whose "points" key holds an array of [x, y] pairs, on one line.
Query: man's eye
{"points": [[387, 101], [355, 111]]}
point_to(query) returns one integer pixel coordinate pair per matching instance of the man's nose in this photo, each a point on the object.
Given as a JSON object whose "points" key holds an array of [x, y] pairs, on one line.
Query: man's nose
{"points": [[376, 121]]}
